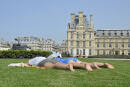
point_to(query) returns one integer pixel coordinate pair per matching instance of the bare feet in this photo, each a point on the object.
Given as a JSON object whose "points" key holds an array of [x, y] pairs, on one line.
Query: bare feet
{"points": [[71, 67], [27, 65], [109, 66], [88, 67]]}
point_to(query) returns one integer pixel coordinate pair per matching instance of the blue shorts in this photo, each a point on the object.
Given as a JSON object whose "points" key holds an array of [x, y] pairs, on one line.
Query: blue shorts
{"points": [[66, 60]]}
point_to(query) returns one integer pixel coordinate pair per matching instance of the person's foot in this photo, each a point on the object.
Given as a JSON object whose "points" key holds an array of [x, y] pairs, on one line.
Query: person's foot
{"points": [[88, 67], [71, 67], [27, 65], [109, 66]]}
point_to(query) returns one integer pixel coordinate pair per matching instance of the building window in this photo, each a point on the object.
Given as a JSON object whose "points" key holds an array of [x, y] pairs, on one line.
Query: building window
{"points": [[89, 43], [77, 52], [71, 43], [98, 52], [122, 44], [83, 51], [84, 35], [128, 43], [103, 34], [128, 40], [127, 33], [71, 35], [115, 34], [109, 34], [104, 43], [129, 52], [110, 52], [104, 52], [116, 44], [77, 35], [90, 53], [122, 52], [97, 43], [83, 43], [121, 34], [71, 52], [77, 43], [110, 43], [90, 35], [94, 34]]}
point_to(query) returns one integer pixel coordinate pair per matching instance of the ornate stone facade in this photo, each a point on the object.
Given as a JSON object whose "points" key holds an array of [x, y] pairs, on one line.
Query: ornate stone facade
{"points": [[83, 40], [80, 36], [112, 42], [36, 43]]}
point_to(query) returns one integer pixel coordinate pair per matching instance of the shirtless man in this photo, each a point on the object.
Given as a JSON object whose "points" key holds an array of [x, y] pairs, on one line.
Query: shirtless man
{"points": [[79, 64]]}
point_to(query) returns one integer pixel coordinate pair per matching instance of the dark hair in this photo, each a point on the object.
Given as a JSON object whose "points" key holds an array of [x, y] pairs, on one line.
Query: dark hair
{"points": [[58, 56]]}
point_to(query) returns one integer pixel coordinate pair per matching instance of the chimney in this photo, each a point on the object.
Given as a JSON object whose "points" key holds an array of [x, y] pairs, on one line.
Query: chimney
{"points": [[80, 18], [72, 18], [91, 21]]}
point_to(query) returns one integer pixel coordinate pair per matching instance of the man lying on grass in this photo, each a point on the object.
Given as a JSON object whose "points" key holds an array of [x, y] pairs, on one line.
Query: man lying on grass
{"points": [[79, 64]]}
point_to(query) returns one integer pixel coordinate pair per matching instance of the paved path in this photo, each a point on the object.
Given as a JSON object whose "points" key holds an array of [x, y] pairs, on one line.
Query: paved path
{"points": [[109, 59]]}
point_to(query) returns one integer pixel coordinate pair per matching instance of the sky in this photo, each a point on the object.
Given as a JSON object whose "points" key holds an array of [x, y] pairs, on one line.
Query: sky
{"points": [[49, 18]]}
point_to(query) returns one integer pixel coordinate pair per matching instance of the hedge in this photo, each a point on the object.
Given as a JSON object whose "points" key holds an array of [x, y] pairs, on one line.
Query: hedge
{"points": [[23, 53]]}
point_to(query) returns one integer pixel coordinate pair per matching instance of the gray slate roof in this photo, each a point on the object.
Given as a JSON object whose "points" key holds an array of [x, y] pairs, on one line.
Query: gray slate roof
{"points": [[112, 33]]}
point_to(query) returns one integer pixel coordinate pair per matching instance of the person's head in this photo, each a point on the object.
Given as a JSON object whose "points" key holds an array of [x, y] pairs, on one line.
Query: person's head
{"points": [[58, 56]]}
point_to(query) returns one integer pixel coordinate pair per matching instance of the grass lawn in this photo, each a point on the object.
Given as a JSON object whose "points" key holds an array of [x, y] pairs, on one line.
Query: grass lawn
{"points": [[32, 77]]}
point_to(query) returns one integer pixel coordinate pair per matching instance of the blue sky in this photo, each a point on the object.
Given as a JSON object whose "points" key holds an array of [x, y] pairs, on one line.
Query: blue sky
{"points": [[49, 18]]}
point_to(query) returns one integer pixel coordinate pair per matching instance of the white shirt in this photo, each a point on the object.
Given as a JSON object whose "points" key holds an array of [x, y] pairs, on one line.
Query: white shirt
{"points": [[54, 55], [36, 60]]}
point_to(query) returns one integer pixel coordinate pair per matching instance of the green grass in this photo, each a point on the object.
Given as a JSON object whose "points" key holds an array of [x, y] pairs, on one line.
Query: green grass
{"points": [[32, 77]]}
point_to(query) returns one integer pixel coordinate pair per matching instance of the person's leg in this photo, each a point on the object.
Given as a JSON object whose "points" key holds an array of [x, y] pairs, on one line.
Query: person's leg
{"points": [[64, 66], [95, 65], [27, 65], [88, 67], [106, 65], [109, 66], [79, 64], [59, 65]]}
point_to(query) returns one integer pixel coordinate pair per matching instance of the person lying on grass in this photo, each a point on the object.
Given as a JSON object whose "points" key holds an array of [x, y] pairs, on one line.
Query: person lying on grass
{"points": [[42, 62], [79, 64], [52, 62], [38, 61]]}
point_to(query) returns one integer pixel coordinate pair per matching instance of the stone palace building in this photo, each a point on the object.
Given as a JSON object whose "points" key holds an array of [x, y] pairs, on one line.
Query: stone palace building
{"points": [[83, 40], [36, 43]]}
